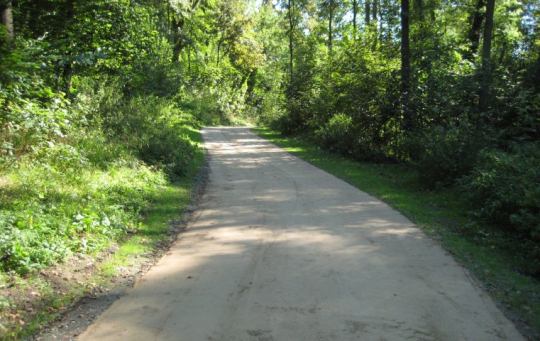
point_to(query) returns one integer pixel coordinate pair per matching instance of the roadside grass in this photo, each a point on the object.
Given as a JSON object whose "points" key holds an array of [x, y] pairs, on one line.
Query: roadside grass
{"points": [[29, 301], [497, 267]]}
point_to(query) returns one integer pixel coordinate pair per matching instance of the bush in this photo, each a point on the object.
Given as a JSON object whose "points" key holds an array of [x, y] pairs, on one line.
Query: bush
{"points": [[442, 155], [341, 135], [337, 135], [148, 127], [169, 149], [289, 124], [504, 188]]}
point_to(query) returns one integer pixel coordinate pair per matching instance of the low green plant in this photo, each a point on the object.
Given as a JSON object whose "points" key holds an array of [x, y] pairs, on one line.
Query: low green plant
{"points": [[443, 154], [340, 135], [504, 189], [47, 214], [337, 134]]}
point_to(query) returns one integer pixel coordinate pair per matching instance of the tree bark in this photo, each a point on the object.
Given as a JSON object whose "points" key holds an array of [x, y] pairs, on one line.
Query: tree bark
{"points": [[477, 19], [368, 12], [355, 11], [485, 79], [179, 40], [291, 36], [6, 17], [376, 23], [405, 48], [405, 62], [330, 17], [67, 71], [178, 25]]}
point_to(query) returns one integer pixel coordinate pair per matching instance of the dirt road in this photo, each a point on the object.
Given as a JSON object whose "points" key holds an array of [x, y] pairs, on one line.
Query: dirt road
{"points": [[282, 251]]}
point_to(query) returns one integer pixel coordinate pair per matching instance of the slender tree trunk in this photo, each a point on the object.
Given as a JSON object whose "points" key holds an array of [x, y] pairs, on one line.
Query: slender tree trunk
{"points": [[368, 12], [405, 61], [486, 71], [6, 17], [330, 17], [477, 19], [67, 71], [376, 22], [503, 53], [291, 36], [178, 25], [355, 11], [179, 41], [67, 76]]}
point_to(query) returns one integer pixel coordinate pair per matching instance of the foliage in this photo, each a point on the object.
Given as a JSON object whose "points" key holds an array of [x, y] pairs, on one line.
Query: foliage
{"points": [[47, 213], [503, 189], [90, 126], [440, 156], [337, 133], [340, 135]]}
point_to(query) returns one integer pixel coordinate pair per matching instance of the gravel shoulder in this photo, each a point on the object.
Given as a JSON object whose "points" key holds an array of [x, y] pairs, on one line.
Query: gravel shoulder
{"points": [[280, 250]]}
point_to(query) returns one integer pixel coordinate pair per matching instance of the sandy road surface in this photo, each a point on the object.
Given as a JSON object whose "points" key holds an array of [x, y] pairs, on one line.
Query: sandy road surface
{"points": [[283, 251]]}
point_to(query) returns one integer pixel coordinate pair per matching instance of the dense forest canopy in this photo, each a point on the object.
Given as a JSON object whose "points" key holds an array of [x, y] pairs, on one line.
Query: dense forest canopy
{"points": [[449, 87]]}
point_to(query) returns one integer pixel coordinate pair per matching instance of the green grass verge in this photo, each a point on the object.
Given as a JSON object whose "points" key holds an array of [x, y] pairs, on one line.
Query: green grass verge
{"points": [[166, 207], [129, 253], [443, 215]]}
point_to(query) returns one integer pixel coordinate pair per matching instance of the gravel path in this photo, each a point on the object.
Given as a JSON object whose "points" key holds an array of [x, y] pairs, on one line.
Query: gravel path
{"points": [[283, 251]]}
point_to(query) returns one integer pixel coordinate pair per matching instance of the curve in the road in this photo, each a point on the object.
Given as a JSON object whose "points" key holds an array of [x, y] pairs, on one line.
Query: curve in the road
{"points": [[281, 250]]}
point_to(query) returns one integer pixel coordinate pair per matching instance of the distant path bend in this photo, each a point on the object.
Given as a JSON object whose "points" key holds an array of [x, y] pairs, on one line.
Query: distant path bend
{"points": [[283, 251]]}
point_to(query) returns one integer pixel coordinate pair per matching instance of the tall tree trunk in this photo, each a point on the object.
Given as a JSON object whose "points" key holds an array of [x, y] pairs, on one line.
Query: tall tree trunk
{"points": [[355, 11], [6, 17], [376, 23], [405, 60], [330, 17], [485, 79], [477, 19], [178, 24], [179, 40], [291, 36], [368, 12], [67, 71]]}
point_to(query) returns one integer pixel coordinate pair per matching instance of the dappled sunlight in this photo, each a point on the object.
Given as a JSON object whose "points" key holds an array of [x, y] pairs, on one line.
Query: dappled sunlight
{"points": [[278, 244]]}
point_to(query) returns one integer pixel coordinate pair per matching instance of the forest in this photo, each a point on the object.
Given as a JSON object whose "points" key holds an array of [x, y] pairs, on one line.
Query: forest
{"points": [[101, 102]]}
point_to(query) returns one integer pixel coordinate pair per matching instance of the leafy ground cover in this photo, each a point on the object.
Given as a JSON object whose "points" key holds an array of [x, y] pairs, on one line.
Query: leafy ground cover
{"points": [[142, 214], [492, 258]]}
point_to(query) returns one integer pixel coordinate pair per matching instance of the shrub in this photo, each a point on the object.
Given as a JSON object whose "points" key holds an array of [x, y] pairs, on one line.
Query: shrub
{"points": [[337, 135], [442, 155], [148, 127], [504, 188], [341, 135], [166, 147], [47, 214]]}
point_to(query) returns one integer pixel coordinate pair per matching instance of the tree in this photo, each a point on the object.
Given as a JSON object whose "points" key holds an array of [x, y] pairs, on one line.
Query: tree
{"points": [[405, 48], [182, 12], [486, 69], [355, 12], [6, 17], [477, 18]]}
